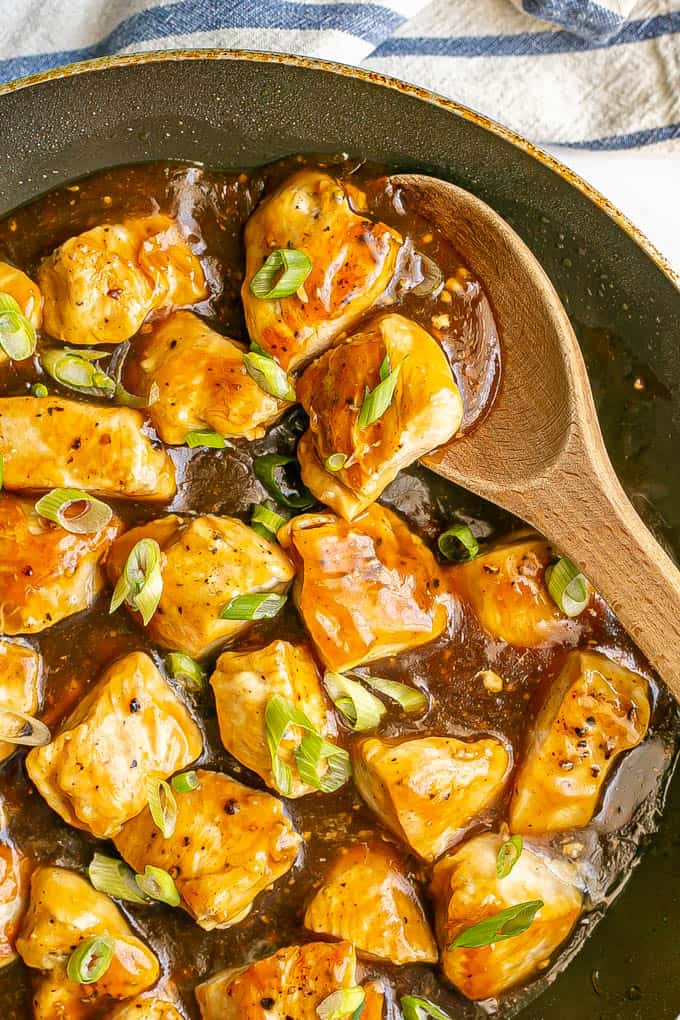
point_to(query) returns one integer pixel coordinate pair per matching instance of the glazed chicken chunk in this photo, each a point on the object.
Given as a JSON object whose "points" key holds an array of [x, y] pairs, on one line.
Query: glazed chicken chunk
{"points": [[229, 844], [146, 1008], [594, 711], [201, 382], [20, 683], [367, 899], [46, 573], [207, 561], [425, 411], [507, 591], [129, 728], [427, 790], [48, 442], [366, 589], [353, 261], [244, 682], [14, 879], [26, 294], [99, 287], [467, 890]]}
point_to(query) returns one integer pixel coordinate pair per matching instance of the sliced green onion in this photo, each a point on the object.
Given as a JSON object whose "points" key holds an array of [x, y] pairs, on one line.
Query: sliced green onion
{"points": [[266, 521], [185, 670], [205, 437], [185, 782], [269, 376], [13, 730], [432, 277], [508, 855], [113, 877], [271, 470], [415, 1008], [567, 586], [141, 582], [458, 544], [91, 959], [410, 698], [76, 371], [17, 333], [262, 606], [39, 389], [256, 349], [506, 924], [278, 716], [309, 756], [335, 462], [294, 267], [8, 303], [341, 1004], [92, 516], [157, 884], [377, 401], [162, 805], [361, 709]]}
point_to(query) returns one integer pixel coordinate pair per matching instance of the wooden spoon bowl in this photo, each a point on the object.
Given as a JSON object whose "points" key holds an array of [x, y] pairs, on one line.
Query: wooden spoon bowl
{"points": [[540, 453]]}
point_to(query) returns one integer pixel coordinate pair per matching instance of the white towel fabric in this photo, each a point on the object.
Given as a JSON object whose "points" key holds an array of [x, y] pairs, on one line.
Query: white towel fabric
{"points": [[568, 72]]}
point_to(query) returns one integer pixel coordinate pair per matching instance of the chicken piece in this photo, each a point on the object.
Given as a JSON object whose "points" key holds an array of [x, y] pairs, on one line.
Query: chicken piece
{"points": [[427, 790], [201, 382], [425, 411], [594, 711], [64, 910], [48, 442], [207, 561], [289, 984], [367, 899], [20, 684], [25, 292], [100, 286], [147, 1008], [46, 573], [366, 589], [57, 998], [466, 890], [507, 591], [14, 879], [131, 726], [353, 260], [230, 843], [244, 682]]}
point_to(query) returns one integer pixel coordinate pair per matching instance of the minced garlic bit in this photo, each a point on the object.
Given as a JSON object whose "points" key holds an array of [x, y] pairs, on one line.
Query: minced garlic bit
{"points": [[441, 321], [492, 681], [572, 850]]}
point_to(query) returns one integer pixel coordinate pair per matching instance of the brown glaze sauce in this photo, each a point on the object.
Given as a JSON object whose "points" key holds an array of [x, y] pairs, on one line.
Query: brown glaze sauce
{"points": [[212, 206]]}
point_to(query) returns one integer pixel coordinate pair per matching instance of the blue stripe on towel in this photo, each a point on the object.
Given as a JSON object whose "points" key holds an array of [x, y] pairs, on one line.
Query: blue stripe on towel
{"points": [[585, 17], [648, 136]]}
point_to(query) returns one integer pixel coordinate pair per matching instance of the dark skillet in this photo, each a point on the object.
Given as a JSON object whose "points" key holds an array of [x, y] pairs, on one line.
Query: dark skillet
{"points": [[229, 109]]}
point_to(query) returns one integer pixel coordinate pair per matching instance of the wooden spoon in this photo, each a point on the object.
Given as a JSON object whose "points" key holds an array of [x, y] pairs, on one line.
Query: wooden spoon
{"points": [[540, 453]]}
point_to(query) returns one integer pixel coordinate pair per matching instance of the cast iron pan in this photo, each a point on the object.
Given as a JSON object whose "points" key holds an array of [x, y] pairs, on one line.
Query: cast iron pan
{"points": [[238, 109]]}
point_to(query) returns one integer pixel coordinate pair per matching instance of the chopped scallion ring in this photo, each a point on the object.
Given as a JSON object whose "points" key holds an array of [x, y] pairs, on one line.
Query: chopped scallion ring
{"points": [[360, 709], [266, 518], [113, 877], [568, 587], [272, 470], [8, 303], [335, 462], [506, 924], [90, 514], [162, 805], [376, 401], [458, 544], [91, 959], [415, 1008], [205, 437], [13, 724], [185, 782], [39, 389], [411, 699], [294, 267], [261, 606], [17, 333], [342, 1005], [508, 855], [76, 371], [141, 582], [157, 884], [185, 670], [279, 715], [269, 376]]}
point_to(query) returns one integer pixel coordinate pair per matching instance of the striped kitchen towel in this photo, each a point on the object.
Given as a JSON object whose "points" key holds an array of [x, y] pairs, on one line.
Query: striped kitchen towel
{"points": [[551, 69]]}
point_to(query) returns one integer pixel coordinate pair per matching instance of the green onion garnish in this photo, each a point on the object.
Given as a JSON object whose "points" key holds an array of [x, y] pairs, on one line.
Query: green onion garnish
{"points": [[269, 376], [8, 303], [506, 924], [91, 514], [113, 877], [141, 583], [294, 267], [266, 521], [17, 334], [162, 805], [341, 1004], [272, 470], [335, 462], [567, 586], [185, 782], [411, 699], [76, 371], [39, 389], [185, 670], [360, 709], [415, 1008], [205, 437], [377, 401], [508, 855], [157, 884], [91, 959], [458, 544], [262, 606], [13, 730], [279, 715]]}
